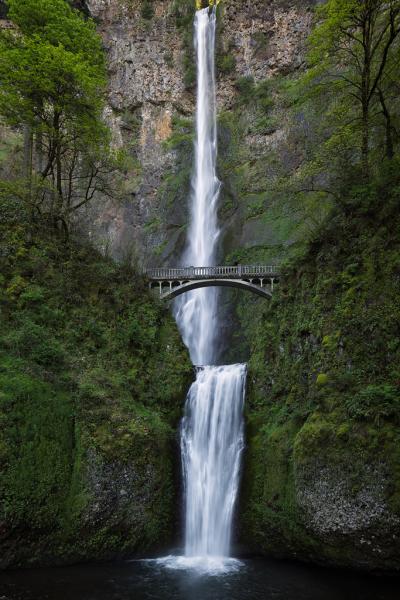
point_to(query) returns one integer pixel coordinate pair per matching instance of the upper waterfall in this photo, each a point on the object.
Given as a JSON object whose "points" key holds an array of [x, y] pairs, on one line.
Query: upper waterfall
{"points": [[196, 312]]}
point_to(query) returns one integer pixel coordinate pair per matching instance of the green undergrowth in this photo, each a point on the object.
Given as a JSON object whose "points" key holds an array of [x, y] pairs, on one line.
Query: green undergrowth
{"points": [[324, 379], [92, 378]]}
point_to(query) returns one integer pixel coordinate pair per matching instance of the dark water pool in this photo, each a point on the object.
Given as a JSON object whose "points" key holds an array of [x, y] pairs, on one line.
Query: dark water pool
{"points": [[254, 579]]}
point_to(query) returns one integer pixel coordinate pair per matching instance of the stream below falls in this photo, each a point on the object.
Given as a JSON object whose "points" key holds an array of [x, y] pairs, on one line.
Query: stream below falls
{"points": [[255, 579]]}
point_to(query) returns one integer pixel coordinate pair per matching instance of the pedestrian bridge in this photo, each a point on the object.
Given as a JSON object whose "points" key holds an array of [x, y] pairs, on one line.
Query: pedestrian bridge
{"points": [[259, 279]]}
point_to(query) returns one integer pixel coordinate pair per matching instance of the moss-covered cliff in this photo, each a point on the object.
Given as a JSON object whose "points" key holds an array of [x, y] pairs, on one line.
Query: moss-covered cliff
{"points": [[93, 375], [321, 475]]}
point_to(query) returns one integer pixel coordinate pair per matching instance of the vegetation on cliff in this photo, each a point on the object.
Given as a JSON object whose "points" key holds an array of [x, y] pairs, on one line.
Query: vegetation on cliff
{"points": [[92, 369], [92, 378], [322, 470], [52, 73], [324, 395]]}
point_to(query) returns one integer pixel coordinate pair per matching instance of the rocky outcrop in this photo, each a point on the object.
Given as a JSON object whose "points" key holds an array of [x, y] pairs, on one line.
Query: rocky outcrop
{"points": [[146, 91], [333, 509], [119, 501]]}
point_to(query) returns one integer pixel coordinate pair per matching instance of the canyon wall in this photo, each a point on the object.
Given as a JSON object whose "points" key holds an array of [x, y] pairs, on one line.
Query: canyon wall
{"points": [[150, 108]]}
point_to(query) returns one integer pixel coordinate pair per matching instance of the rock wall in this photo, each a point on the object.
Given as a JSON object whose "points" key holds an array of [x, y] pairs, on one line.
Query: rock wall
{"points": [[149, 95]]}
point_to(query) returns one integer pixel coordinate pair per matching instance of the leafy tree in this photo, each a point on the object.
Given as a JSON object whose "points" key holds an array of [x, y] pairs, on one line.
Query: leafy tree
{"points": [[342, 113], [52, 82], [354, 53]]}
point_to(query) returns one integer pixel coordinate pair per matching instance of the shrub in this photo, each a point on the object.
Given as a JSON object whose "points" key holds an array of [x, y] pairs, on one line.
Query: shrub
{"points": [[245, 87], [226, 63], [147, 11], [375, 402]]}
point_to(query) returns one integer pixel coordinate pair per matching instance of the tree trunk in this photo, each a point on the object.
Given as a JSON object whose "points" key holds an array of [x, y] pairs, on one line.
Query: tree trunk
{"points": [[28, 140], [57, 134], [389, 129], [365, 142], [39, 152]]}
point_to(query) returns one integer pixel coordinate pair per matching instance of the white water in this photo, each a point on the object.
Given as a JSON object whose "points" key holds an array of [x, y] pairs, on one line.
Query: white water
{"points": [[212, 428], [196, 311], [212, 442]]}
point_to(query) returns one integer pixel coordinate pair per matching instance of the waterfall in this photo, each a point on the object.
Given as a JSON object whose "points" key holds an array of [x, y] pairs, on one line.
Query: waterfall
{"points": [[212, 427], [196, 311], [212, 441]]}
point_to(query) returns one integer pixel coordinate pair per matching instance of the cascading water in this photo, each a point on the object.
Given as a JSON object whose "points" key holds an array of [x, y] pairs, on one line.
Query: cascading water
{"points": [[212, 441], [212, 428], [196, 311]]}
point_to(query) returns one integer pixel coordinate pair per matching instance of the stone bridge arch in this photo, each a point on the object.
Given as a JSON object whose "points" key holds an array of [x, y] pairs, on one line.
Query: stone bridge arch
{"points": [[172, 282]]}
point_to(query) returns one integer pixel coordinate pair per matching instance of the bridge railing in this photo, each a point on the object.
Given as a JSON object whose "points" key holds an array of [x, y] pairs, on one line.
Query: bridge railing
{"points": [[223, 272]]}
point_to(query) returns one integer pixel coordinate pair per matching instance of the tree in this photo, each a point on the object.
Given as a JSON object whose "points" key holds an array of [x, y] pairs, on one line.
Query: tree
{"points": [[342, 117], [354, 51], [52, 83]]}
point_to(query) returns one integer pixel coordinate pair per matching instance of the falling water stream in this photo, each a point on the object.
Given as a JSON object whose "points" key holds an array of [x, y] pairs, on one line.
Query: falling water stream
{"points": [[212, 440], [212, 428], [196, 311]]}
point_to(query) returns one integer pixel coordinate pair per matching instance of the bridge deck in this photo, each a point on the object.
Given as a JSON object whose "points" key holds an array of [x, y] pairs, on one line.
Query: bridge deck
{"points": [[222, 272]]}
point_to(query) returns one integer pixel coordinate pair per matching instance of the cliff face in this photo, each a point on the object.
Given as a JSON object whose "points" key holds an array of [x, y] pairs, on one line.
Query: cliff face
{"points": [[93, 376], [151, 103], [321, 474]]}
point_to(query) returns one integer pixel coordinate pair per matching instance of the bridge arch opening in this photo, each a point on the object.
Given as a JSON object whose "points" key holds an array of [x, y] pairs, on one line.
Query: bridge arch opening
{"points": [[174, 292]]}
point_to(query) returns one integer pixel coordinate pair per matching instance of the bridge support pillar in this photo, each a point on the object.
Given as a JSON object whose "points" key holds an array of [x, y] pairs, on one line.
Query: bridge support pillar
{"points": [[272, 284]]}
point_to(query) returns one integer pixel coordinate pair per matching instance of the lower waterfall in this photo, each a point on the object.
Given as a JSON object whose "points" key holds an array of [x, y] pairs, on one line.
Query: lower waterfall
{"points": [[212, 443]]}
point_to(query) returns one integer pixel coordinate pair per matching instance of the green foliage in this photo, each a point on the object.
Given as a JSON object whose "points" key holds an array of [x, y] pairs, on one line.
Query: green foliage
{"points": [[147, 10], [324, 357], [375, 402], [225, 63], [56, 61], [36, 440], [92, 373], [53, 82], [245, 86], [322, 379], [340, 125]]}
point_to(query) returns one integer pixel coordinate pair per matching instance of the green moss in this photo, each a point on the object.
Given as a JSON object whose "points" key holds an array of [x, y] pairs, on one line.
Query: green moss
{"points": [[92, 378], [324, 383], [322, 379]]}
